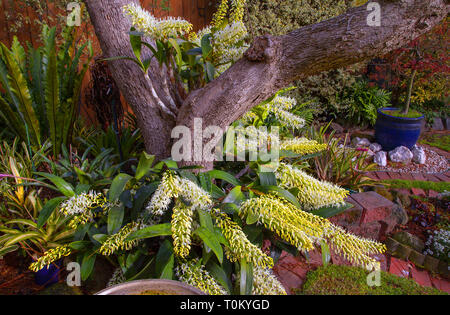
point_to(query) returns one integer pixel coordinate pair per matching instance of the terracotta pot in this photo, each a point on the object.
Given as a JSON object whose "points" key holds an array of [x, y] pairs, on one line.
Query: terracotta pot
{"points": [[151, 287]]}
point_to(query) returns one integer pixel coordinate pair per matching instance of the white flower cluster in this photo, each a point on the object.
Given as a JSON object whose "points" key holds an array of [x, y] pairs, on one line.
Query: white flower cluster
{"points": [[226, 43], [173, 186], [280, 107], [163, 195], [157, 29], [80, 203], [438, 244]]}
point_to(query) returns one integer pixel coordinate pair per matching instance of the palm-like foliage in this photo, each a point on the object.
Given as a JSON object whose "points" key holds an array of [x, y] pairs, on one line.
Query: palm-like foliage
{"points": [[41, 88]]}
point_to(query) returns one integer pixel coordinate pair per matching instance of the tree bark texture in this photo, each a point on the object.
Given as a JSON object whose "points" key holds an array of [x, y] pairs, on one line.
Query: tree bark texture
{"points": [[271, 63]]}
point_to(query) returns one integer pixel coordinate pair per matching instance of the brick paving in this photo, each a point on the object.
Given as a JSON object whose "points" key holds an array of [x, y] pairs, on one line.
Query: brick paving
{"points": [[437, 177]]}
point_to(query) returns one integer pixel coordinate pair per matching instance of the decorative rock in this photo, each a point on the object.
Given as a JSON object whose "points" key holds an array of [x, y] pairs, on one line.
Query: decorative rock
{"points": [[419, 155], [375, 147], [400, 214], [380, 158], [437, 124], [401, 155], [360, 142], [410, 240]]}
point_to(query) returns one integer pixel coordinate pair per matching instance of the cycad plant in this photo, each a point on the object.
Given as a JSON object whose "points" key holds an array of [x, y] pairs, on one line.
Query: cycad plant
{"points": [[41, 88]]}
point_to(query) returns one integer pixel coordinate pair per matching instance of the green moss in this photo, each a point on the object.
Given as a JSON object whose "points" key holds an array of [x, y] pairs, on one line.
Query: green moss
{"points": [[438, 141], [401, 183], [345, 280], [398, 113]]}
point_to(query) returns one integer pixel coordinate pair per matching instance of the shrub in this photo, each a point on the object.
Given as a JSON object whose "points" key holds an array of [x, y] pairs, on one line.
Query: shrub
{"points": [[279, 17]]}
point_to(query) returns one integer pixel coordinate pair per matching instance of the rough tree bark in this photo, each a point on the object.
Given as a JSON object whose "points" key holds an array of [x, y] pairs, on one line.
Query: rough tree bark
{"points": [[271, 63]]}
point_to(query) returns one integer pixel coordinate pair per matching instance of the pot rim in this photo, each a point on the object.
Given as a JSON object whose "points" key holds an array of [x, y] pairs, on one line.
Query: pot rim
{"points": [[380, 112], [139, 286]]}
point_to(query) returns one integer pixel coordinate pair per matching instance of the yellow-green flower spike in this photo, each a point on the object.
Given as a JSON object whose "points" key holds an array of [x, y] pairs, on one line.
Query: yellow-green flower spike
{"points": [[280, 107], [81, 206], [353, 248], [195, 195], [240, 248], [157, 29], [265, 283], [237, 10], [195, 275], [182, 218], [220, 14], [117, 241], [302, 146], [313, 193], [299, 228], [50, 256]]}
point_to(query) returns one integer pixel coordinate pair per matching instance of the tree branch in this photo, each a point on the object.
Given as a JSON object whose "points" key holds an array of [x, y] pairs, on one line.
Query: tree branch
{"points": [[273, 62]]}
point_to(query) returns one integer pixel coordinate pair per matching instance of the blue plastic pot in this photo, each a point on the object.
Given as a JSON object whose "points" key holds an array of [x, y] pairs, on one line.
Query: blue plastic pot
{"points": [[392, 132], [48, 275]]}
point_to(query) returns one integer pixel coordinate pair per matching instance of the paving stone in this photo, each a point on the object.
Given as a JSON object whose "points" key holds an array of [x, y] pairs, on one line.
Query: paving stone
{"points": [[350, 217], [375, 230], [418, 176], [399, 267], [404, 191], [441, 284], [431, 177], [407, 176], [418, 192], [376, 206], [288, 279], [383, 175], [442, 177], [421, 277], [432, 194]]}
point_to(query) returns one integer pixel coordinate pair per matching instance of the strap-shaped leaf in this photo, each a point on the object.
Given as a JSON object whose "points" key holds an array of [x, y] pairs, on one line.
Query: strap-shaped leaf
{"points": [[151, 231], [47, 210], [64, 187], [115, 218], [224, 176], [21, 96], [210, 239], [52, 101], [117, 186]]}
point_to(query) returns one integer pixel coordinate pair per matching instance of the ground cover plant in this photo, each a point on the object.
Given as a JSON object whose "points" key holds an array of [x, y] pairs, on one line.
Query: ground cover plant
{"points": [[345, 280]]}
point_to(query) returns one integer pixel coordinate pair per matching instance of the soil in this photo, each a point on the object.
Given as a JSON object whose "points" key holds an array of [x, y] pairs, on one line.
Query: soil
{"points": [[15, 278]]}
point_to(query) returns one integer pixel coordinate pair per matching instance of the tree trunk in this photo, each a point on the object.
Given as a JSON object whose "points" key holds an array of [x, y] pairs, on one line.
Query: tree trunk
{"points": [[410, 87], [271, 63]]}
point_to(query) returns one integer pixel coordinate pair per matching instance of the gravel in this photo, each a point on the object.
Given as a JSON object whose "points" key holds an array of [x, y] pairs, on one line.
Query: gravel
{"points": [[435, 163]]}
